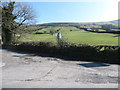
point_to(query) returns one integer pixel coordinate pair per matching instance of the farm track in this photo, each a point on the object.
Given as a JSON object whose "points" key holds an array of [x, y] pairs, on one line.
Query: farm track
{"points": [[24, 70]]}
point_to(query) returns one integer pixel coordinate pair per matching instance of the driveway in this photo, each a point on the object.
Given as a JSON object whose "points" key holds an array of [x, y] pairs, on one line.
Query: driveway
{"points": [[33, 71]]}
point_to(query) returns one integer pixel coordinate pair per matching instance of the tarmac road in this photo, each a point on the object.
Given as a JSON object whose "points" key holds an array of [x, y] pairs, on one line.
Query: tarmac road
{"points": [[28, 71]]}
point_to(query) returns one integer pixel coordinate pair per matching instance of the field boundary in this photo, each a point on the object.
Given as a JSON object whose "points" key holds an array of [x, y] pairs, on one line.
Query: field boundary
{"points": [[106, 54]]}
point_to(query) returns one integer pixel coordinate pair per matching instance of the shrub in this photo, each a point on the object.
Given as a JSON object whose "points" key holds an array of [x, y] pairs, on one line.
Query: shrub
{"points": [[80, 51]]}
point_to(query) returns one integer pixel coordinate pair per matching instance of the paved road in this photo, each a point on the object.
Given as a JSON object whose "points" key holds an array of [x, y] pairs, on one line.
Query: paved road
{"points": [[28, 71]]}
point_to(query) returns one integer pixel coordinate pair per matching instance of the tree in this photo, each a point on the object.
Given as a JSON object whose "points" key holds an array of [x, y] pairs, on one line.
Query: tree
{"points": [[52, 32], [8, 22], [24, 14], [14, 15], [107, 27]]}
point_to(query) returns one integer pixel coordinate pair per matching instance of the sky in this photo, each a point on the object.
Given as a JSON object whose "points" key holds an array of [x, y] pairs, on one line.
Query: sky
{"points": [[91, 11]]}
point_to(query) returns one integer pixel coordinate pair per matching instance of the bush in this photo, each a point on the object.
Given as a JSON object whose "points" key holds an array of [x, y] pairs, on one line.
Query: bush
{"points": [[80, 51]]}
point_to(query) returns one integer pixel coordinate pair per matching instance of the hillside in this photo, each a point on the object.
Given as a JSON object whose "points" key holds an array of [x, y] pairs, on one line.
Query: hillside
{"points": [[114, 22]]}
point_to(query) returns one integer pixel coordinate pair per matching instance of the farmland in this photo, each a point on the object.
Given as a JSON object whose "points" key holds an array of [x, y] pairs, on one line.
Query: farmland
{"points": [[72, 35]]}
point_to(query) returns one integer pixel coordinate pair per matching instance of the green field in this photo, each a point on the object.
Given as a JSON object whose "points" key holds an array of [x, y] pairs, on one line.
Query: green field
{"points": [[74, 36]]}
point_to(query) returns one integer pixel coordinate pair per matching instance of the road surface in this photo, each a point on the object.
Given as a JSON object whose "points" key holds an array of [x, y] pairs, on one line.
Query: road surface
{"points": [[33, 71]]}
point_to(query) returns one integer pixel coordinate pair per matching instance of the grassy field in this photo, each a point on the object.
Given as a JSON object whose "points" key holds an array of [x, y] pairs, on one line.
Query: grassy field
{"points": [[73, 35]]}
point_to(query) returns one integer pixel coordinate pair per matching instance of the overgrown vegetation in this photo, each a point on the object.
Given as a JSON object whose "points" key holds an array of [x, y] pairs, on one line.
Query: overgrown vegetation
{"points": [[106, 54]]}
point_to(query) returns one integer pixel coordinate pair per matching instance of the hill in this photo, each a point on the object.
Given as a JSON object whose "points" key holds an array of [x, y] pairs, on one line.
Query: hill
{"points": [[114, 22]]}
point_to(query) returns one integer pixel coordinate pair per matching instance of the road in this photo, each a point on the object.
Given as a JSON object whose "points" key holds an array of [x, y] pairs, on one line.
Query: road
{"points": [[22, 70]]}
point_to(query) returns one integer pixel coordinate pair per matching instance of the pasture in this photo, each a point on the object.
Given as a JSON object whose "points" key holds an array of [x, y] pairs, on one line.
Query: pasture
{"points": [[72, 35]]}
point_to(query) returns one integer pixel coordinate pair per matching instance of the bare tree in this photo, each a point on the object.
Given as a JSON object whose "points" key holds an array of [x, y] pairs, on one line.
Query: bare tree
{"points": [[24, 14]]}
